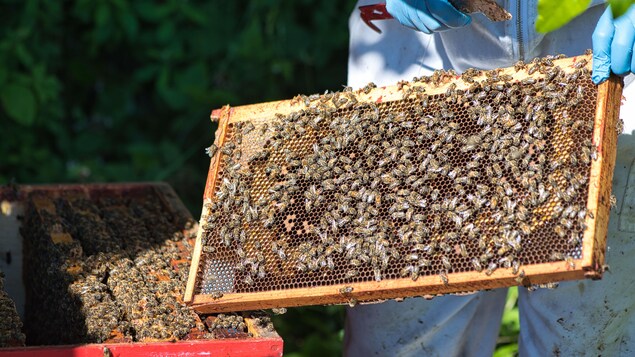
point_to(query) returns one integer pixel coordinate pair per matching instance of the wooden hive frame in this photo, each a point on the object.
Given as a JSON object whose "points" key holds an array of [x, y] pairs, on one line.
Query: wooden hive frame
{"points": [[590, 265]]}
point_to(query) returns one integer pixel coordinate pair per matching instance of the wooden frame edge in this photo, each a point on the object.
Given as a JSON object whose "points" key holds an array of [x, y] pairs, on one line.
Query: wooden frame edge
{"points": [[170, 198], [601, 177], [223, 117], [589, 266], [428, 286], [254, 112]]}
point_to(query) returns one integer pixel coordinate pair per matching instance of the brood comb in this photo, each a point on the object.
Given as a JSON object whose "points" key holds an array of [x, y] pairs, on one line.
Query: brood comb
{"points": [[445, 184]]}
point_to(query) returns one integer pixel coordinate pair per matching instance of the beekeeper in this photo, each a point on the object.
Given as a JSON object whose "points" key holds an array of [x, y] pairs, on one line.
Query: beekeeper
{"points": [[579, 318]]}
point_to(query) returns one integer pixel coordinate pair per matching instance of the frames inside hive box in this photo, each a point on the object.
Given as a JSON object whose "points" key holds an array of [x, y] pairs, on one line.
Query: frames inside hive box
{"points": [[11, 334], [107, 263], [445, 184]]}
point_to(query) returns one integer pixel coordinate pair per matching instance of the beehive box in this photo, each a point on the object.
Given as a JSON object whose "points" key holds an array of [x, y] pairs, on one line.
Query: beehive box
{"points": [[10, 324], [445, 184], [105, 268]]}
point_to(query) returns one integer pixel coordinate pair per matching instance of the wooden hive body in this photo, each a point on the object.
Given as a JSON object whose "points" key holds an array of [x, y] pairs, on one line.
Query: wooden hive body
{"points": [[91, 249]]}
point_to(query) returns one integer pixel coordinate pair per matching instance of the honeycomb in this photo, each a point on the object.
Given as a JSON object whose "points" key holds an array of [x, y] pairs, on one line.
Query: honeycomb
{"points": [[491, 172], [111, 258], [113, 261]]}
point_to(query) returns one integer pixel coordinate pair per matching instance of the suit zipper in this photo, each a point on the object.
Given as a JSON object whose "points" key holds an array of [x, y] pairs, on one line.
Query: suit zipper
{"points": [[519, 31]]}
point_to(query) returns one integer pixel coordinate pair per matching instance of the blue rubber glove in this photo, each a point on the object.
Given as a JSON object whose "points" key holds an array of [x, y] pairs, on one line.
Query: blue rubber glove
{"points": [[613, 42], [427, 16]]}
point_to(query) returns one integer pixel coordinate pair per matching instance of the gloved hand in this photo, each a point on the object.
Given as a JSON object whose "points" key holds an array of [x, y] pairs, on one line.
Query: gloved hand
{"points": [[613, 41], [427, 16]]}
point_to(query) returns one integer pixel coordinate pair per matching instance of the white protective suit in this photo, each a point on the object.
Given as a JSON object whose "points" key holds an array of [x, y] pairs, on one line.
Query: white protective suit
{"points": [[579, 318]]}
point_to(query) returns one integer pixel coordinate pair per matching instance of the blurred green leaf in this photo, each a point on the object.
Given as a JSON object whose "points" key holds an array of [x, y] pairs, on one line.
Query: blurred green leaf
{"points": [[507, 344], [152, 11], [553, 14], [175, 100], [165, 32], [102, 15], [4, 73], [512, 298], [19, 103], [146, 73], [192, 14], [129, 23], [510, 350], [46, 87], [619, 7], [23, 55], [192, 79]]}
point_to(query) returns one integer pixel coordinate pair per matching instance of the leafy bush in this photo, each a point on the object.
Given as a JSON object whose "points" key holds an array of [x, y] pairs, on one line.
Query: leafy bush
{"points": [[121, 91], [553, 14]]}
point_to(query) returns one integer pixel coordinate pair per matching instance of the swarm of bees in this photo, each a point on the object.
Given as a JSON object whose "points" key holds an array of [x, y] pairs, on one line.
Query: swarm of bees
{"points": [[121, 276], [490, 176], [223, 321], [263, 321], [10, 324]]}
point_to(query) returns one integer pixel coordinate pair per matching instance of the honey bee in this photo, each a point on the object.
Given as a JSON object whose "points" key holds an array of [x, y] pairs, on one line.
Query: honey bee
{"points": [[281, 254], [228, 148], [613, 201], [260, 257], [444, 246], [211, 150], [515, 266], [525, 228], [368, 87], [264, 128], [279, 311], [451, 89], [551, 285], [533, 69], [570, 262], [579, 93], [463, 250], [261, 273], [491, 267], [247, 128], [351, 273], [477, 264], [404, 272], [446, 262], [574, 239], [580, 64], [444, 277], [346, 290], [209, 249], [248, 280], [377, 273], [556, 256], [240, 252]]}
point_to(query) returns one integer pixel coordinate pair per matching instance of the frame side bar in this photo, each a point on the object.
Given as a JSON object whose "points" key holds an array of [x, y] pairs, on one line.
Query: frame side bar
{"points": [[601, 177], [212, 174]]}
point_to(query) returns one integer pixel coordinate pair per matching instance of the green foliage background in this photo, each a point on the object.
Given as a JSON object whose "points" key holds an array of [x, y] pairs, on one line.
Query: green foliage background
{"points": [[553, 14], [115, 90]]}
